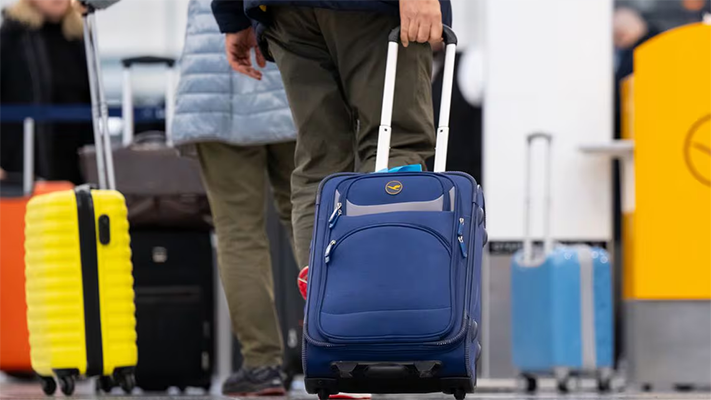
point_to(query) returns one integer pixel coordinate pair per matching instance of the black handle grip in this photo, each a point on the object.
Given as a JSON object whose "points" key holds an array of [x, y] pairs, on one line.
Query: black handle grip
{"points": [[539, 135], [447, 34], [148, 60]]}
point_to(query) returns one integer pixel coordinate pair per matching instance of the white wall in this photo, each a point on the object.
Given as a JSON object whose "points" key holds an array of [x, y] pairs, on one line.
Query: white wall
{"points": [[133, 27], [548, 68], [138, 27], [468, 21]]}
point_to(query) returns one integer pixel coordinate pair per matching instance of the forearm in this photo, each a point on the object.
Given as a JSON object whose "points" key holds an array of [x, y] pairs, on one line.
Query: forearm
{"points": [[230, 15]]}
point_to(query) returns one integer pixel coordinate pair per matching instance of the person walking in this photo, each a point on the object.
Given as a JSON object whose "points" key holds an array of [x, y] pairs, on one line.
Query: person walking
{"points": [[332, 57], [44, 64], [242, 132]]}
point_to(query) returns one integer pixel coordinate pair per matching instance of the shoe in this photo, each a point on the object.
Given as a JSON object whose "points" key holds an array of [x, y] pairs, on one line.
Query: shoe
{"points": [[355, 396], [263, 381], [303, 281]]}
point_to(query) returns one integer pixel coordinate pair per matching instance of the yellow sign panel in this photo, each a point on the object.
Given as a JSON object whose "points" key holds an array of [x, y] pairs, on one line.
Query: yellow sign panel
{"points": [[672, 130]]}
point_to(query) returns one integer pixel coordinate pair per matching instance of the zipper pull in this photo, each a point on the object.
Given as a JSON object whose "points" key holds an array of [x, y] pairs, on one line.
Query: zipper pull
{"points": [[334, 216], [335, 219], [328, 251], [460, 231], [462, 246]]}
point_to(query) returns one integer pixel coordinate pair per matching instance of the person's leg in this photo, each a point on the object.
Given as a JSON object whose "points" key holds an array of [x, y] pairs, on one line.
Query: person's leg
{"points": [[280, 165], [235, 179], [325, 124], [358, 41]]}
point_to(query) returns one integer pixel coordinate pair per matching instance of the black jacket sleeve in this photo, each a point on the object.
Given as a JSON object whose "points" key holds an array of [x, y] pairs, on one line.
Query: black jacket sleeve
{"points": [[230, 15]]}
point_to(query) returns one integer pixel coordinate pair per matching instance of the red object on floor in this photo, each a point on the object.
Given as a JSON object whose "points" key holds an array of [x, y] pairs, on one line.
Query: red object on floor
{"points": [[352, 396], [303, 281], [14, 335]]}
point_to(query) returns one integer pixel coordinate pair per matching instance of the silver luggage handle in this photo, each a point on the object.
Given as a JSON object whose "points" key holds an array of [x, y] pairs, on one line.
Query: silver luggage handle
{"points": [[99, 108], [28, 161], [127, 97], [547, 239], [385, 131]]}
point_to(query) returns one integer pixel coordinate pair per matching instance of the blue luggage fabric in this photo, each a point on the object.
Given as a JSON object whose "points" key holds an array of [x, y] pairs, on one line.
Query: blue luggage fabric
{"points": [[395, 273], [393, 301], [562, 311]]}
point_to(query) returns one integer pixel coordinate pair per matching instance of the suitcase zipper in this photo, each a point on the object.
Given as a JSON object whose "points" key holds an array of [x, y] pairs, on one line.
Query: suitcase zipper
{"points": [[334, 243], [460, 237], [335, 215]]}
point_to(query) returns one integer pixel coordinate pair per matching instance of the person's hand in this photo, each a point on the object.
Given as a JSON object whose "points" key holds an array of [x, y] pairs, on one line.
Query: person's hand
{"points": [[420, 21], [239, 53], [2, 174]]}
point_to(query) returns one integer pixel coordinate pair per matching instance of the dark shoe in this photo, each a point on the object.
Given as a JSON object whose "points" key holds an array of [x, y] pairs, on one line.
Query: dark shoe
{"points": [[263, 381]]}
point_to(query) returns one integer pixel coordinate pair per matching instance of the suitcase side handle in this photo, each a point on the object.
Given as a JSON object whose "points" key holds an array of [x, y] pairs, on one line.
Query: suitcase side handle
{"points": [[385, 131], [547, 239]]}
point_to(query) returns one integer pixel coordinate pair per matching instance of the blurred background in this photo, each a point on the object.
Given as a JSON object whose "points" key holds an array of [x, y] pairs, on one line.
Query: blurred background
{"points": [[555, 66]]}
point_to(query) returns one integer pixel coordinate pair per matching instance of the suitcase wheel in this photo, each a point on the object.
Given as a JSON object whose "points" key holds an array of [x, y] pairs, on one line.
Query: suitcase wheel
{"points": [[459, 394], [126, 380], [528, 383], [104, 384], [604, 385], [563, 384], [66, 383], [604, 380], [324, 394], [49, 386]]}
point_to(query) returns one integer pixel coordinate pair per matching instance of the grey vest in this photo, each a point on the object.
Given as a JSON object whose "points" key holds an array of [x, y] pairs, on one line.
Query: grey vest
{"points": [[216, 104]]}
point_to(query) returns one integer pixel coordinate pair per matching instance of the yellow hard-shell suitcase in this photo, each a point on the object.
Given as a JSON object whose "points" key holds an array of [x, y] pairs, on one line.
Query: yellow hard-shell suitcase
{"points": [[79, 282], [79, 287]]}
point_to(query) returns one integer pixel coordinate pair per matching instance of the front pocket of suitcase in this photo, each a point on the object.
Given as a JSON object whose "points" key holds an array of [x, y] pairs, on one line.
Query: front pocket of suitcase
{"points": [[387, 283]]}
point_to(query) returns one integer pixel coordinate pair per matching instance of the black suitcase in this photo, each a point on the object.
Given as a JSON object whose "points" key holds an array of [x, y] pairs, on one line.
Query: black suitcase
{"points": [[174, 284], [289, 303]]}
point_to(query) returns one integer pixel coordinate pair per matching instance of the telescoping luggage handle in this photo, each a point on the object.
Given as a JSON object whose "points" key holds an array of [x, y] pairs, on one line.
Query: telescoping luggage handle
{"points": [[547, 239], [99, 108], [28, 163], [383, 152], [127, 101]]}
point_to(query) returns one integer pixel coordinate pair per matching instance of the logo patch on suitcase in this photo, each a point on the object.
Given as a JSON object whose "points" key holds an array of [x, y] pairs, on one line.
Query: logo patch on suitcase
{"points": [[393, 187]]}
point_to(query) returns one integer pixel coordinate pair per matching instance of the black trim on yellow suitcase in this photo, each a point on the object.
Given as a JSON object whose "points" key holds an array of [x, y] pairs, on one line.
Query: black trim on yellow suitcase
{"points": [[90, 281]]}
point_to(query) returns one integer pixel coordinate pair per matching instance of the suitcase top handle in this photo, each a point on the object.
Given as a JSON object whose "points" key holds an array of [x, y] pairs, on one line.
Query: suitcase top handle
{"points": [[447, 34], [385, 131], [127, 96], [547, 239], [147, 60]]}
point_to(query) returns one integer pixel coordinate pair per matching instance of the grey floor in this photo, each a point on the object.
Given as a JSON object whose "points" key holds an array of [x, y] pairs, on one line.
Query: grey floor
{"points": [[31, 391]]}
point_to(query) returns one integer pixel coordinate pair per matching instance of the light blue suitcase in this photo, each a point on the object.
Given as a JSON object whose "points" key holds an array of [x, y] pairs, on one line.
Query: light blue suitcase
{"points": [[561, 306]]}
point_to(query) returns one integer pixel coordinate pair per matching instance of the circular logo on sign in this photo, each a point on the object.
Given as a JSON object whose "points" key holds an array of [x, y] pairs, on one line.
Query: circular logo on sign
{"points": [[393, 187], [697, 150]]}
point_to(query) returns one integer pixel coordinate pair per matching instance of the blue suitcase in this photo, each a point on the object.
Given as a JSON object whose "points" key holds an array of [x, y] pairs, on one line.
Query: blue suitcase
{"points": [[562, 311], [393, 302]]}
